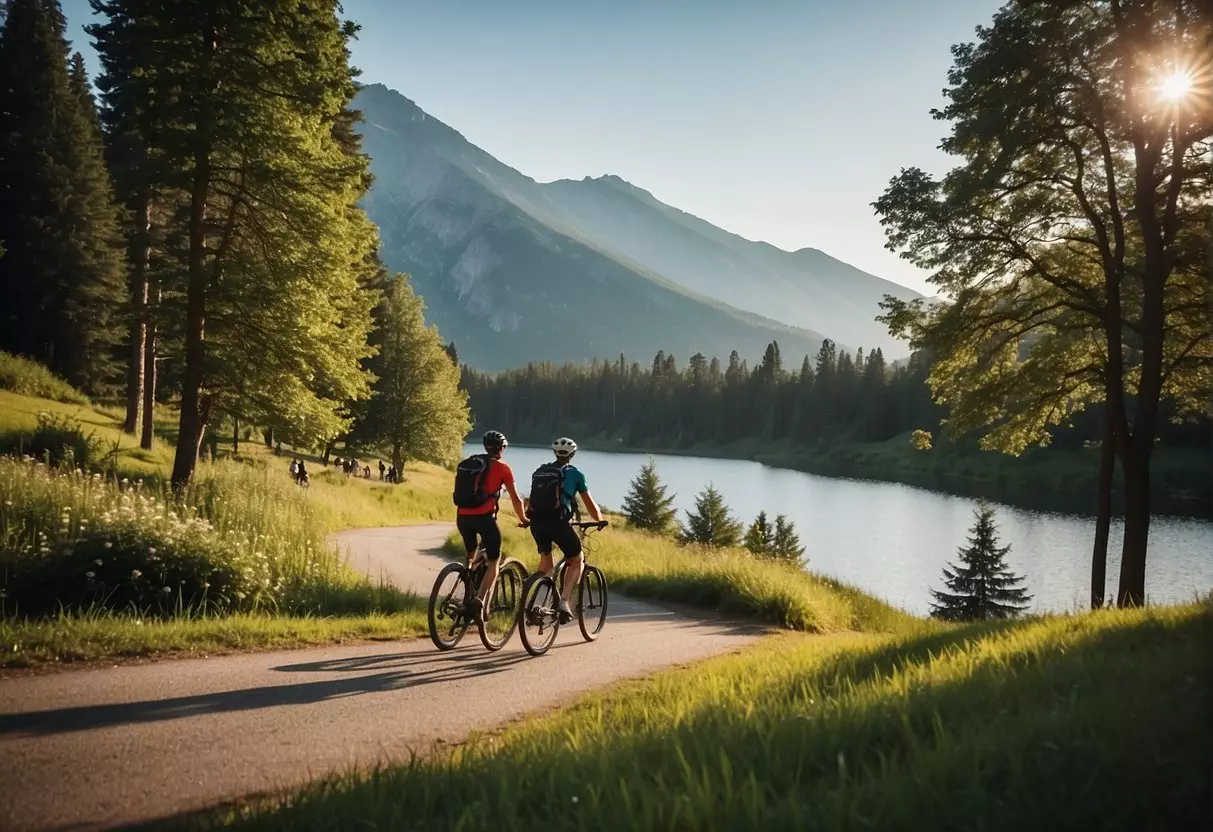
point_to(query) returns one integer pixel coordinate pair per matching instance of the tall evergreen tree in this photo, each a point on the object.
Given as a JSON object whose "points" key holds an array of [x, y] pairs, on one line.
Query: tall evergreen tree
{"points": [[61, 276], [416, 409], [759, 536], [785, 543], [647, 505], [248, 117], [127, 84], [711, 524], [981, 586]]}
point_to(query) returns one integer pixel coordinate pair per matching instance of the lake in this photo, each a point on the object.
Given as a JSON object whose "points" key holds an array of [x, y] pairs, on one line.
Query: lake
{"points": [[892, 540]]}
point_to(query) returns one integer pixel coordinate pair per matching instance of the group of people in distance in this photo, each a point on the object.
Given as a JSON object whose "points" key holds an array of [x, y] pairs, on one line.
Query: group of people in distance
{"points": [[351, 467], [555, 487], [299, 472]]}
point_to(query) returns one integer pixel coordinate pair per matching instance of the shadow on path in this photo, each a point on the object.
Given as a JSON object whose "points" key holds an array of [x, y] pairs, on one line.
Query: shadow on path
{"points": [[396, 676]]}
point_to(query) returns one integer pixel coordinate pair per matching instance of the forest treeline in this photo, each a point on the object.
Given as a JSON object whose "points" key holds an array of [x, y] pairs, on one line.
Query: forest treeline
{"points": [[823, 399]]}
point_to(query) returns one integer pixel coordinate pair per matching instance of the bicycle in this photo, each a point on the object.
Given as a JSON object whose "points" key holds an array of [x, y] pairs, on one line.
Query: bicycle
{"points": [[447, 620], [541, 592]]}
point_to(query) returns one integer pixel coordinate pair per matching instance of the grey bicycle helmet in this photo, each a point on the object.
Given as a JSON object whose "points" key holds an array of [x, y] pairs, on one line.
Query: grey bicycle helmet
{"points": [[494, 440]]}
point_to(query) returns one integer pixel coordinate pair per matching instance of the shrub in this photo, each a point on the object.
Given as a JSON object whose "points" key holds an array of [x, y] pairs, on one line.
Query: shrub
{"points": [[60, 440], [29, 378], [236, 540]]}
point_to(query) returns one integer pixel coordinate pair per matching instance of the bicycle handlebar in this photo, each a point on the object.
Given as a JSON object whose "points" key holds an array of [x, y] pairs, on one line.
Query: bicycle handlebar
{"points": [[593, 524]]}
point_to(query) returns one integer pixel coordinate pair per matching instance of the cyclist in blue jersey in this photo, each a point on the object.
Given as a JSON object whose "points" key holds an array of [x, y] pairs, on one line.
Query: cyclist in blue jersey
{"points": [[554, 491]]}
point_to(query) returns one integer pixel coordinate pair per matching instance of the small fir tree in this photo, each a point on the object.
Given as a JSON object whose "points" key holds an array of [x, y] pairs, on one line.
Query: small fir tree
{"points": [[785, 543], [759, 536], [647, 505], [710, 523], [982, 586]]}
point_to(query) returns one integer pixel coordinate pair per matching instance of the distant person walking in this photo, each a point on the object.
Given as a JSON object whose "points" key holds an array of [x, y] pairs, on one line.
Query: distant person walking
{"points": [[294, 469], [382, 470]]}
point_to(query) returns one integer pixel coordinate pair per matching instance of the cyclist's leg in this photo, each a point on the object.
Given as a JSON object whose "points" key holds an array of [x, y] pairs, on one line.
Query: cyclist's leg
{"points": [[566, 537], [490, 535], [543, 545], [469, 531]]}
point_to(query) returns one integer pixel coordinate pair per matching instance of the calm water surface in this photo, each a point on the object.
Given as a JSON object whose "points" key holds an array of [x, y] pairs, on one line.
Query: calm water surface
{"points": [[892, 540]]}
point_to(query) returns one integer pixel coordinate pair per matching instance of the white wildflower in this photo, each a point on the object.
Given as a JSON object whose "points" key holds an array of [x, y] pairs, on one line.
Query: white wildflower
{"points": [[168, 589], [135, 574], [108, 544], [97, 561], [90, 575]]}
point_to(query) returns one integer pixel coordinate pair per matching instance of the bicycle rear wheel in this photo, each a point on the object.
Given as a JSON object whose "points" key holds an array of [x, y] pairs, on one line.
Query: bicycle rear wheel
{"points": [[538, 619], [500, 618], [447, 621], [591, 603]]}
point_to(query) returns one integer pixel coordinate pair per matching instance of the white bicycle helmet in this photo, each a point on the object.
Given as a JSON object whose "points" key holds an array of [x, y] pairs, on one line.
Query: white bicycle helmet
{"points": [[564, 446]]}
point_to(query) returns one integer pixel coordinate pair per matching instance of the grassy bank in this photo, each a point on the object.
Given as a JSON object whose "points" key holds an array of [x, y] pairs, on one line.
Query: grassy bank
{"points": [[92, 566], [1095, 722], [733, 582], [106, 635]]}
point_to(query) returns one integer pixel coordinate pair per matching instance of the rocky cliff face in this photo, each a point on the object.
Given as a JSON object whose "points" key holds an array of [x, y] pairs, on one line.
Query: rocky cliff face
{"points": [[515, 271]]}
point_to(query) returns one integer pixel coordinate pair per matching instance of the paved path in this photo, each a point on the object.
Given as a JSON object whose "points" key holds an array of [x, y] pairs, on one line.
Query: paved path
{"points": [[106, 747]]}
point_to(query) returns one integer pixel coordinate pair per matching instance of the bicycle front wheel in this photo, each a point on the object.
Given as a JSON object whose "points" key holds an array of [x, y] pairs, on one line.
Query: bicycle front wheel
{"points": [[591, 603], [500, 618], [538, 617], [447, 621]]}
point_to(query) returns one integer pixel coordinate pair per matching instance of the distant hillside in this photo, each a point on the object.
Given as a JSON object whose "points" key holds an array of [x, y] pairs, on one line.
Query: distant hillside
{"points": [[806, 287], [515, 271]]}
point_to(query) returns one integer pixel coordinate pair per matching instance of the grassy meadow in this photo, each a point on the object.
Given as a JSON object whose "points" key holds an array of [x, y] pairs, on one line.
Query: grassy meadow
{"points": [[1098, 721], [729, 581], [99, 560]]}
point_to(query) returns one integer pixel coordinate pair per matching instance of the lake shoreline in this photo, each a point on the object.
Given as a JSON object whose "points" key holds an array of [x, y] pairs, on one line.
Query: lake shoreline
{"points": [[1066, 488]]}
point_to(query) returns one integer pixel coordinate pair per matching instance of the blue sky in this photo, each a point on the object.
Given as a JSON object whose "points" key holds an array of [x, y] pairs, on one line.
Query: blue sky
{"points": [[780, 120]]}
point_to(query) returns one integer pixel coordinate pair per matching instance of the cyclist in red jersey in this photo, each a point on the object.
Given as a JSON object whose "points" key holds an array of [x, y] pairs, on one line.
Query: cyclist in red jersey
{"points": [[479, 524]]}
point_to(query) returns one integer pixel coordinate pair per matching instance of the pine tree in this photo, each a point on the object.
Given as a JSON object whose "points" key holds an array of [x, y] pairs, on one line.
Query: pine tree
{"points": [[416, 409], [710, 523], [982, 586], [250, 121], [785, 543], [759, 535], [127, 84], [61, 277], [647, 505]]}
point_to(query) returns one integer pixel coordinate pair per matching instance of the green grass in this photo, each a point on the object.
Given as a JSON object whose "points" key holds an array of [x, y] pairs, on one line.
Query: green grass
{"points": [[1099, 721], [263, 534], [732, 581], [29, 378], [106, 635], [19, 419]]}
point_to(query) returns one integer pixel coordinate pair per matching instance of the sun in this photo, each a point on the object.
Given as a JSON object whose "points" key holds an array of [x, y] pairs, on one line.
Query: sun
{"points": [[1176, 86]]}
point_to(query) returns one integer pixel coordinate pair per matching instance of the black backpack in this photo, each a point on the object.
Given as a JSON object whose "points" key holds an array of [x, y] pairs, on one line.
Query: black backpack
{"points": [[547, 492], [469, 481]]}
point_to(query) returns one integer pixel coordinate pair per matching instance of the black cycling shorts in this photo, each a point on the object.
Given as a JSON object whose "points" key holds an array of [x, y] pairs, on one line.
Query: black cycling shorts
{"points": [[484, 527], [549, 531]]}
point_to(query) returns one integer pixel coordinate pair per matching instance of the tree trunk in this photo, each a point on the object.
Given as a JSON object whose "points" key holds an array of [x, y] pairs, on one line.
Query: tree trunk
{"points": [[1103, 515], [138, 338], [328, 452], [235, 436], [398, 462], [268, 433], [148, 417], [193, 423], [1132, 590]]}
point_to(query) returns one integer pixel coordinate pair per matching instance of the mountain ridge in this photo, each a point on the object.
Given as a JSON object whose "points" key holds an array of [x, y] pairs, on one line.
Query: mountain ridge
{"points": [[494, 253]]}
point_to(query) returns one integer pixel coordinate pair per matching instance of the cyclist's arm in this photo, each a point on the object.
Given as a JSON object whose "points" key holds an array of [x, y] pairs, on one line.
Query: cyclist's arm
{"points": [[516, 501], [591, 506]]}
